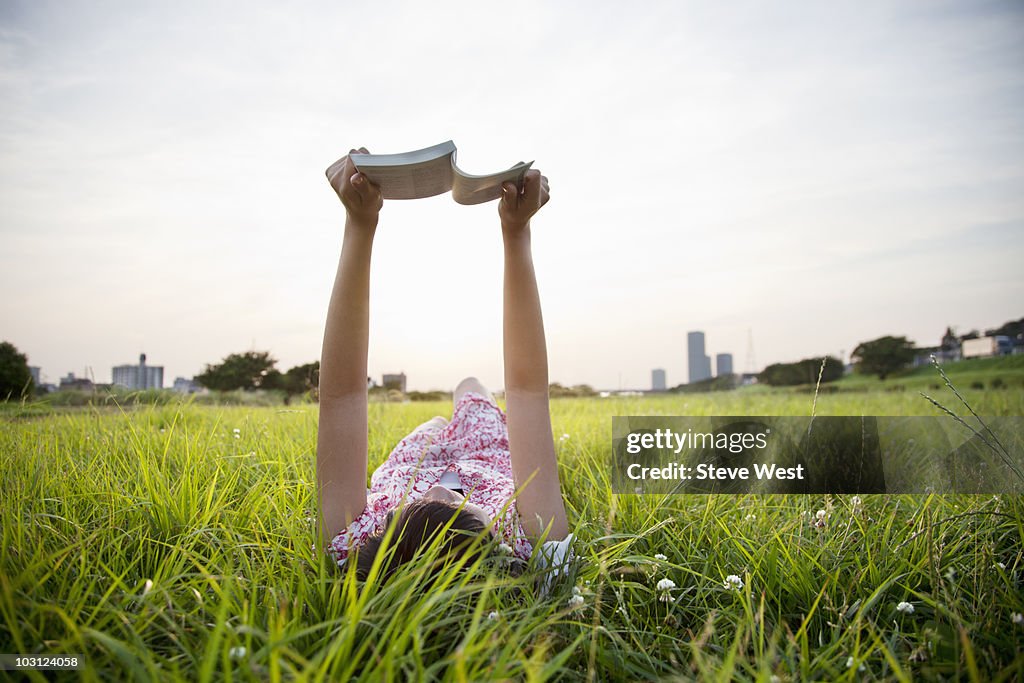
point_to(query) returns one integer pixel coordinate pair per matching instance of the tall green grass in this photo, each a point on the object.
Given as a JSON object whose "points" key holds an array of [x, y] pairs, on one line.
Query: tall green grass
{"points": [[159, 543]]}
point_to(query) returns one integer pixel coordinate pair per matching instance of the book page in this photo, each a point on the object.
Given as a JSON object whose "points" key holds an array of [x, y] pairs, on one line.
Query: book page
{"points": [[410, 175], [477, 189]]}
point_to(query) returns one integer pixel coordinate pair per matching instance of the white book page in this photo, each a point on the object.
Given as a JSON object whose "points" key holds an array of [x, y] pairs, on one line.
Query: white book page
{"points": [[477, 189], [410, 175]]}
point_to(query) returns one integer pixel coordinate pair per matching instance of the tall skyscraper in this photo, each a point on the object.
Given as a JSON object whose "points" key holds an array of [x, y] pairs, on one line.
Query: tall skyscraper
{"points": [[723, 364], [698, 362], [658, 380]]}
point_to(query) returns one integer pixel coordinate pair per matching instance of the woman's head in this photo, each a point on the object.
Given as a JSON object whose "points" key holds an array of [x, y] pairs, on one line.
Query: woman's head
{"points": [[417, 525]]}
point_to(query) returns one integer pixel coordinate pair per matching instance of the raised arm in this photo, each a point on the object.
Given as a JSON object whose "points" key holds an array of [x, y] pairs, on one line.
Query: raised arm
{"points": [[531, 443], [341, 448]]}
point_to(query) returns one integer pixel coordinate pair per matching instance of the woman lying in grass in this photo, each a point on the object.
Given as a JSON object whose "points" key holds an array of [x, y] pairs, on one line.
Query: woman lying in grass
{"points": [[447, 482]]}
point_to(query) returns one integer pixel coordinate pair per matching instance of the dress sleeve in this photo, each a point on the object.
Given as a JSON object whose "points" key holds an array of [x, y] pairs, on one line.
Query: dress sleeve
{"points": [[362, 527]]}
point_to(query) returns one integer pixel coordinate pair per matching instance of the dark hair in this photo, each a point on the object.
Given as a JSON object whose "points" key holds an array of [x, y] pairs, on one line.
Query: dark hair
{"points": [[418, 524]]}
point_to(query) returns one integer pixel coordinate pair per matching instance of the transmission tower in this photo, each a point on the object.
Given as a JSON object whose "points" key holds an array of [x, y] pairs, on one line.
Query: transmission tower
{"points": [[751, 364]]}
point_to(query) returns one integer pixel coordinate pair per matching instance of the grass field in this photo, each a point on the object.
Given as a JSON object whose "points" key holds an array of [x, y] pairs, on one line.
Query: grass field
{"points": [[174, 541]]}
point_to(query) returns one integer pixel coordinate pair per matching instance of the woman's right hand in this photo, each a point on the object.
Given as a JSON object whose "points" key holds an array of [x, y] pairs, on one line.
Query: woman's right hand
{"points": [[516, 207], [362, 199]]}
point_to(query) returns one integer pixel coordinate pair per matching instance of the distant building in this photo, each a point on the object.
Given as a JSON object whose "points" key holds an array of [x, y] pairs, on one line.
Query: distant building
{"points": [[723, 364], [699, 363], [983, 347], [139, 376], [36, 381], [394, 382], [658, 380], [183, 385], [79, 383]]}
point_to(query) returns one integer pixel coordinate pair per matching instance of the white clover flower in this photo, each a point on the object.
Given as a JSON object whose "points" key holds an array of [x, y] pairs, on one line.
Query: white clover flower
{"points": [[905, 608], [660, 557], [820, 514], [855, 501], [237, 652], [575, 601], [1018, 618], [733, 582], [751, 517], [493, 616], [665, 587], [504, 549]]}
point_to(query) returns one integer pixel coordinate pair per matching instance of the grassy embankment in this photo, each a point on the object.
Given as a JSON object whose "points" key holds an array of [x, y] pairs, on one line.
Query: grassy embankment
{"points": [[161, 542]]}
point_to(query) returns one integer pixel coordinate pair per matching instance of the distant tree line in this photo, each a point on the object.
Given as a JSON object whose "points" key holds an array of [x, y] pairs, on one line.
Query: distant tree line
{"points": [[254, 370], [802, 372]]}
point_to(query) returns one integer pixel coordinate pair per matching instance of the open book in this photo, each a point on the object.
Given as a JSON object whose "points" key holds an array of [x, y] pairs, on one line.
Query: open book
{"points": [[432, 171]]}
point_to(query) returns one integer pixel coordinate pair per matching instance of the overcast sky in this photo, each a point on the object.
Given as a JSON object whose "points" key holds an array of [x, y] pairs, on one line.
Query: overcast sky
{"points": [[811, 175]]}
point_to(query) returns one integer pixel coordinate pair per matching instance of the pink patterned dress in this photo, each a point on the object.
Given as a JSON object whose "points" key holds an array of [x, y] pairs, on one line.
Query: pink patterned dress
{"points": [[474, 445]]}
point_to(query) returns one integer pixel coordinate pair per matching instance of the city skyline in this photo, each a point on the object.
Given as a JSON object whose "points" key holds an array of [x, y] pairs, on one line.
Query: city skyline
{"points": [[821, 175], [39, 377]]}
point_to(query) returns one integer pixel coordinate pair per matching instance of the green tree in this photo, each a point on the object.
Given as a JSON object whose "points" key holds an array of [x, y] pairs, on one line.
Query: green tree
{"points": [[302, 379], [802, 372], [883, 356], [15, 377], [248, 371]]}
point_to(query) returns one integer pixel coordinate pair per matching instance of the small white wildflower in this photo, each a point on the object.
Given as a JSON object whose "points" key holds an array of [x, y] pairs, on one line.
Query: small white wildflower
{"points": [[1000, 565], [1018, 618], [493, 616], [849, 662], [237, 652], [905, 608], [774, 679], [660, 557], [665, 587], [148, 586], [576, 590], [237, 432], [733, 582], [855, 501], [576, 601], [504, 549], [565, 437], [751, 517], [821, 514]]}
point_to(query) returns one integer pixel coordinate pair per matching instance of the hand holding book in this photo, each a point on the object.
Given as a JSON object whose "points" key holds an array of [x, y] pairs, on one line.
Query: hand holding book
{"points": [[431, 171]]}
